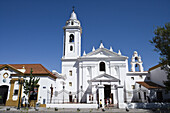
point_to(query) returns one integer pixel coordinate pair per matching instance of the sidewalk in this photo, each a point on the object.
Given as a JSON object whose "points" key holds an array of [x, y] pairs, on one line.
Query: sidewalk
{"points": [[52, 110]]}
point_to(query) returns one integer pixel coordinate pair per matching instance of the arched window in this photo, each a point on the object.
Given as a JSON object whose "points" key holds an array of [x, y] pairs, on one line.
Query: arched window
{"points": [[102, 66], [71, 48], [70, 73], [72, 23], [71, 38]]}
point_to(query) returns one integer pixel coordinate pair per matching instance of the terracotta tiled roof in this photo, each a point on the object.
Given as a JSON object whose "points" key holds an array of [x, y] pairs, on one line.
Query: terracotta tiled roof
{"points": [[150, 85], [154, 67], [38, 69]]}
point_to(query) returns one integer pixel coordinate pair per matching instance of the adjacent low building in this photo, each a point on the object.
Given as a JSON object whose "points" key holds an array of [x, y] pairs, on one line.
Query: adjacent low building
{"points": [[11, 88]]}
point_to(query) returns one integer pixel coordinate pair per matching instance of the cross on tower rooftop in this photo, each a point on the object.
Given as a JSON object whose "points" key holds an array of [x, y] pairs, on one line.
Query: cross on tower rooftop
{"points": [[73, 8]]}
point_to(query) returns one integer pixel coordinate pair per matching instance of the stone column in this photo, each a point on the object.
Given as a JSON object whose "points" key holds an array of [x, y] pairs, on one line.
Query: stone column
{"points": [[120, 93], [11, 89], [114, 92], [101, 94]]}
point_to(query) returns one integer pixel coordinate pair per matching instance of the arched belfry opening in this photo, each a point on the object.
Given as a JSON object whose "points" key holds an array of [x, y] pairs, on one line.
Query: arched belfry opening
{"points": [[71, 38], [136, 63], [137, 67], [136, 59], [102, 66], [71, 48]]}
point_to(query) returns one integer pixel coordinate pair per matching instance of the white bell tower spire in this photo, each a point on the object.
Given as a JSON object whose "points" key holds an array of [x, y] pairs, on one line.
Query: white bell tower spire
{"points": [[72, 37]]}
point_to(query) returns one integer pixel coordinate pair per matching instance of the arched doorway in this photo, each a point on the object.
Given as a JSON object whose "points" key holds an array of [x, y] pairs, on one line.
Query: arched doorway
{"points": [[3, 94]]}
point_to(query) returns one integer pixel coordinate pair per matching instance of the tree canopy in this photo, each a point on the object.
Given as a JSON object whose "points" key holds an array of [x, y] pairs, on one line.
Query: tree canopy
{"points": [[161, 41], [30, 84]]}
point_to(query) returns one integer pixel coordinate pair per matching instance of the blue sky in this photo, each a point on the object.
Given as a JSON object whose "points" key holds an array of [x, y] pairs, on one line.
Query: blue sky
{"points": [[31, 30]]}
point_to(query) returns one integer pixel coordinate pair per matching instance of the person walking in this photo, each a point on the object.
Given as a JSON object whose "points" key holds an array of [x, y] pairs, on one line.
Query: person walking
{"points": [[22, 101]]}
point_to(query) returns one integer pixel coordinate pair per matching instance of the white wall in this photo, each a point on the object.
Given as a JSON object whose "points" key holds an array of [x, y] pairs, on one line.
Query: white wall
{"points": [[129, 82], [158, 76], [7, 83]]}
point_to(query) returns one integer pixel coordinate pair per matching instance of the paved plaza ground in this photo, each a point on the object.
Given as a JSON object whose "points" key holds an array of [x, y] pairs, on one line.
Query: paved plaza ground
{"points": [[3, 109]]}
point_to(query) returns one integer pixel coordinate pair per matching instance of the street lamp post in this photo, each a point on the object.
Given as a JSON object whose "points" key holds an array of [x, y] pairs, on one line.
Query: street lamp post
{"points": [[81, 93], [63, 93]]}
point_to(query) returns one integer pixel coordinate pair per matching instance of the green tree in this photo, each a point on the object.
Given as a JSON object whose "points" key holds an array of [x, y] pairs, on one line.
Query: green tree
{"points": [[161, 41], [30, 85]]}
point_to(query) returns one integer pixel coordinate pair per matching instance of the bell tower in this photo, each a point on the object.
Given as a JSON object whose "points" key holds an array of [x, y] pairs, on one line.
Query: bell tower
{"points": [[136, 62], [72, 37]]}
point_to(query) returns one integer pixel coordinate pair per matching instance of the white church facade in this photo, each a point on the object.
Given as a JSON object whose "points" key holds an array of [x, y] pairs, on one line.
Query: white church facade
{"points": [[99, 77]]}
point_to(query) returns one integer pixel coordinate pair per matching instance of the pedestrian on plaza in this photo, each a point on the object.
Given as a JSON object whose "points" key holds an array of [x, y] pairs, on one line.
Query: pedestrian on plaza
{"points": [[107, 102], [100, 103], [110, 100]]}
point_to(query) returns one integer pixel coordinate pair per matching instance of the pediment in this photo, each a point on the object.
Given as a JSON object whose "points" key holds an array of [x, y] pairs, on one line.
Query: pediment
{"points": [[102, 52], [105, 78], [9, 67]]}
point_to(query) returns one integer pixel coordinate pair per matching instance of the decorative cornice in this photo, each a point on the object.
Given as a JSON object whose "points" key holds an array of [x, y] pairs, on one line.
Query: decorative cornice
{"points": [[137, 73], [118, 64]]}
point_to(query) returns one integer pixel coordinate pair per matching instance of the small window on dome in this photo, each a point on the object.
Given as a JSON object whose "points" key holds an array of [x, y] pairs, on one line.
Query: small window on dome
{"points": [[72, 23]]}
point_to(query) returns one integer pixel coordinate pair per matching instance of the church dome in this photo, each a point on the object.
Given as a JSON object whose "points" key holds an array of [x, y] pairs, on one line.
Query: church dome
{"points": [[73, 16], [73, 20]]}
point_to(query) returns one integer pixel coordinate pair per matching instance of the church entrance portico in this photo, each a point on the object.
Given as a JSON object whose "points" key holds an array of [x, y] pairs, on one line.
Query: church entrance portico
{"points": [[106, 86]]}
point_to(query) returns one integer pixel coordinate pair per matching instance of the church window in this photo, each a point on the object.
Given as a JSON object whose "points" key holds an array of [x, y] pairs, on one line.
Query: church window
{"points": [[71, 48], [71, 38], [140, 76], [72, 23], [70, 73], [102, 66], [89, 97], [144, 95], [16, 92], [139, 95], [133, 86], [44, 101], [132, 78], [56, 93], [70, 83]]}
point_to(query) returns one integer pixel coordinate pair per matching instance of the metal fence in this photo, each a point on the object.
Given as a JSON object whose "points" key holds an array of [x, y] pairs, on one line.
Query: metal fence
{"points": [[59, 101]]}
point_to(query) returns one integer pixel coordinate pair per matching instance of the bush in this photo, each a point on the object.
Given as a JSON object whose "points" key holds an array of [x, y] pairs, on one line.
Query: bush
{"points": [[7, 109], [78, 109], [56, 109]]}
